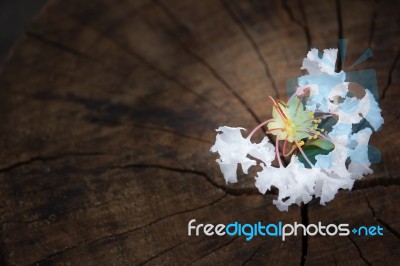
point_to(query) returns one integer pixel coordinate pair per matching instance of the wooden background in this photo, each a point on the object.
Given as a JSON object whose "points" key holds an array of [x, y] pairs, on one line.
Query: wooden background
{"points": [[108, 111]]}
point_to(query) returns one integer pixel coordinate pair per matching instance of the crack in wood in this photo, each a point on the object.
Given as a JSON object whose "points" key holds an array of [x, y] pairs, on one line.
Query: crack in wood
{"points": [[216, 249], [3, 253], [219, 77], [386, 225], [389, 80], [164, 130], [162, 253], [304, 238], [373, 22], [359, 252], [376, 182], [253, 254], [212, 71], [60, 46], [175, 214], [183, 170], [171, 15], [47, 158], [116, 236], [167, 76], [48, 259], [334, 260], [72, 51], [306, 28], [127, 51], [339, 18], [60, 213], [339, 63], [303, 25], [253, 43]]}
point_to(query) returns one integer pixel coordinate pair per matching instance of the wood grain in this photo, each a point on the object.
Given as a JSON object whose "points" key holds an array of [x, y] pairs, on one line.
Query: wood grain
{"points": [[108, 113]]}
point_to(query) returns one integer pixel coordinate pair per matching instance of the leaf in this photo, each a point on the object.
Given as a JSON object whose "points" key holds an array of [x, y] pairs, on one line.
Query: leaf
{"points": [[311, 151], [323, 144]]}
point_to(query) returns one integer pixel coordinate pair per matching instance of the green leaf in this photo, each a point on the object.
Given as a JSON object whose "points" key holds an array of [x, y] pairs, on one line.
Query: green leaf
{"points": [[311, 151], [323, 144]]}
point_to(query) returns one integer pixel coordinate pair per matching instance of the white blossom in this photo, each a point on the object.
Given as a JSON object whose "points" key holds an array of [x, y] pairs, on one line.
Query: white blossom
{"points": [[297, 123], [295, 183], [234, 149]]}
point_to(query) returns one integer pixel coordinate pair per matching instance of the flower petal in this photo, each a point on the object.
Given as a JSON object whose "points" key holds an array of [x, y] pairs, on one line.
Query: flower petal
{"points": [[315, 64], [234, 149]]}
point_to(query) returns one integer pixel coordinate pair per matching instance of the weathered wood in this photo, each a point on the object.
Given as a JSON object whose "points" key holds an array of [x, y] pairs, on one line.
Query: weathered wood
{"points": [[109, 110]]}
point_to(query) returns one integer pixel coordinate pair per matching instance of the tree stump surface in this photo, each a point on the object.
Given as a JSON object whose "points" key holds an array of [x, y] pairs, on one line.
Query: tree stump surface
{"points": [[109, 110]]}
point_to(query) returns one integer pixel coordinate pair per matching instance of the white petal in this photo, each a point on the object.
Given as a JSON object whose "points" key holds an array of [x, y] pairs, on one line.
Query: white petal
{"points": [[339, 156], [263, 151], [295, 183], [234, 149], [327, 187], [370, 110], [324, 87], [349, 111], [358, 170], [316, 65], [360, 164], [229, 170], [246, 164]]}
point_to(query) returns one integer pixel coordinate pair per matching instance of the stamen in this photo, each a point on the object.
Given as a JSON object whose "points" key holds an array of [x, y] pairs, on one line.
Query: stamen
{"points": [[258, 127], [295, 95], [298, 104], [291, 98], [315, 135], [319, 135], [278, 156], [323, 137], [304, 155], [279, 128], [284, 150], [282, 102], [290, 152], [278, 108]]}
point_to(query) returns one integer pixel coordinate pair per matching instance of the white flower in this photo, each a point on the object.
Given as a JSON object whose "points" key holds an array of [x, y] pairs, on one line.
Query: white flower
{"points": [[233, 150], [332, 160], [295, 183]]}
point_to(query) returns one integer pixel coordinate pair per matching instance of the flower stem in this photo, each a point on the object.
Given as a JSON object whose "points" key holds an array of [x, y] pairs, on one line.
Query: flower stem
{"points": [[258, 127], [278, 156]]}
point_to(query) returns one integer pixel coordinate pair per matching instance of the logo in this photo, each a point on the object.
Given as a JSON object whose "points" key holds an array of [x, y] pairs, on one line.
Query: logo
{"points": [[279, 230]]}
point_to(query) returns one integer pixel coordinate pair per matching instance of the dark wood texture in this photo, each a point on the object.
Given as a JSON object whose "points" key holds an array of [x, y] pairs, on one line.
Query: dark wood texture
{"points": [[108, 111]]}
